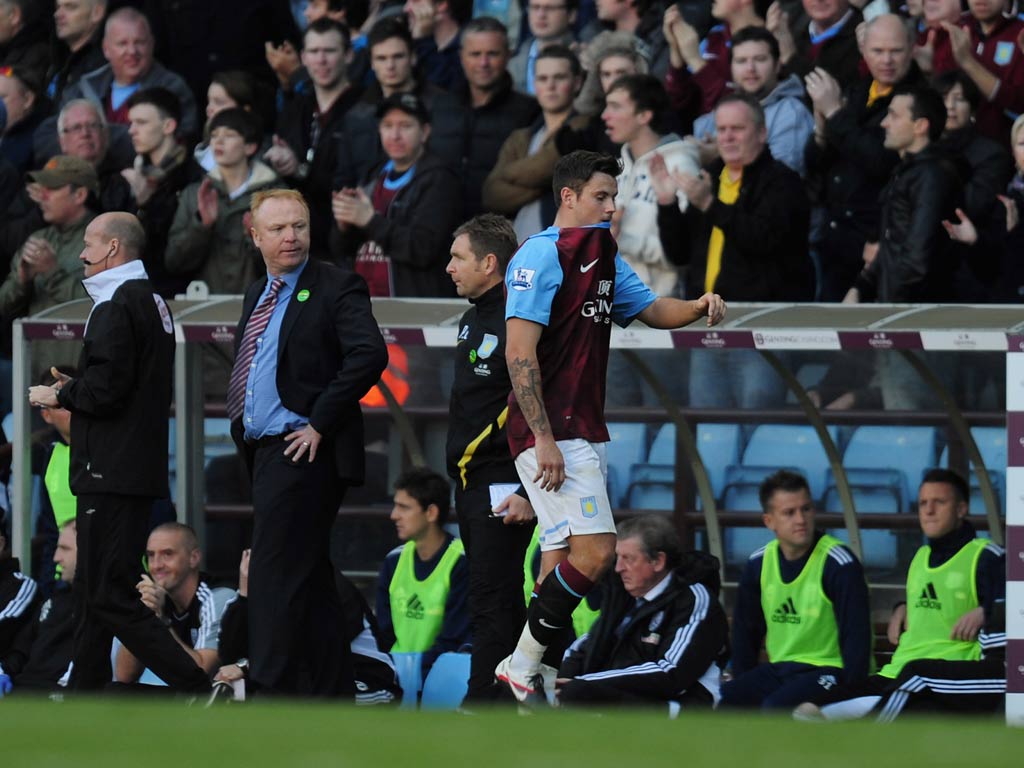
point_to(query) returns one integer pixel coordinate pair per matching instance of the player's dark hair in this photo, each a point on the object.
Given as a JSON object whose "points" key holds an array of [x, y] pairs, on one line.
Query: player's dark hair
{"points": [[945, 83], [756, 35], [925, 104], [783, 480], [324, 25], [490, 233], [388, 28], [239, 85], [656, 534], [950, 478], [562, 52], [241, 121], [647, 94], [165, 102], [427, 487], [576, 169]]}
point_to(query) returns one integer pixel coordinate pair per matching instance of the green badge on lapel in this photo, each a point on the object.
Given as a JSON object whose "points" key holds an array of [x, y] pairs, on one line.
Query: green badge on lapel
{"points": [[303, 295]]}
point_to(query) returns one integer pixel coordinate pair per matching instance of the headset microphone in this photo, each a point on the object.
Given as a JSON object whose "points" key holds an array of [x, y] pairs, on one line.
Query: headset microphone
{"points": [[99, 261]]}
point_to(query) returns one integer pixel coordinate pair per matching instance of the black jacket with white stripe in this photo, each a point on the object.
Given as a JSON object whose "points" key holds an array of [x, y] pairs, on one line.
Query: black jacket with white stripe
{"points": [[19, 598], [673, 647]]}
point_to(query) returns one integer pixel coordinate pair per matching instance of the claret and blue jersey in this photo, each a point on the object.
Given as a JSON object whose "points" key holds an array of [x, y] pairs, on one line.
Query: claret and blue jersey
{"points": [[572, 281]]}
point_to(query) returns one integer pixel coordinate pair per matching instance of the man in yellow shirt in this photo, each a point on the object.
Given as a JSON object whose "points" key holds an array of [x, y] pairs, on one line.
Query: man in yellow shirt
{"points": [[743, 235]]}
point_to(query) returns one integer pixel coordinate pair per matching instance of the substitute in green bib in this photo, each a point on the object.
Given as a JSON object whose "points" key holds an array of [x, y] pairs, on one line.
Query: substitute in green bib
{"points": [[950, 634], [56, 501], [804, 597], [423, 584]]}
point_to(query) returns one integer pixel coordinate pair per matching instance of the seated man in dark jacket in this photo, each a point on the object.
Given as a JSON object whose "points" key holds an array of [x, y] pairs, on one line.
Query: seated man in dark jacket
{"points": [[19, 598], [395, 230], [662, 637], [41, 654], [744, 235]]}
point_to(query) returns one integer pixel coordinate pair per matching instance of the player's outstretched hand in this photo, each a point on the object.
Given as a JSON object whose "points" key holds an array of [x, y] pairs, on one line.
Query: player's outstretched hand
{"points": [[711, 305]]}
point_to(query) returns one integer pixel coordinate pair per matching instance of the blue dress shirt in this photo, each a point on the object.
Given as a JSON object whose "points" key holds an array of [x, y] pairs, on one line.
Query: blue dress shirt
{"points": [[264, 413]]}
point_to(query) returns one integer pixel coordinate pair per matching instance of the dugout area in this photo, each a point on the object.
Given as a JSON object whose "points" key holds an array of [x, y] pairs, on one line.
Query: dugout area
{"points": [[940, 344]]}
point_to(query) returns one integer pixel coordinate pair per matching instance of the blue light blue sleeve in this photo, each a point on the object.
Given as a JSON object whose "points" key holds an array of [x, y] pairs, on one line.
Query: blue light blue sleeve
{"points": [[532, 280], [632, 296]]}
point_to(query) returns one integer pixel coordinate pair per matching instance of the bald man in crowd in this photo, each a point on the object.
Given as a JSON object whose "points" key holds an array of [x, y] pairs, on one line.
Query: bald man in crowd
{"points": [[119, 406]]}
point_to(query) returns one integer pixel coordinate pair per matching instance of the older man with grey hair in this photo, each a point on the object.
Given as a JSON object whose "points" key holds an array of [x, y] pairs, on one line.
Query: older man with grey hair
{"points": [[662, 638], [81, 130]]}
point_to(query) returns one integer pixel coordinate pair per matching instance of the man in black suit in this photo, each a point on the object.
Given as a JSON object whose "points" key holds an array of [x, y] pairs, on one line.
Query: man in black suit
{"points": [[307, 348]]}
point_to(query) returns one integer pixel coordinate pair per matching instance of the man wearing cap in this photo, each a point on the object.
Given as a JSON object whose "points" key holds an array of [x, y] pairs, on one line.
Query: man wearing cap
{"points": [[395, 230], [45, 271]]}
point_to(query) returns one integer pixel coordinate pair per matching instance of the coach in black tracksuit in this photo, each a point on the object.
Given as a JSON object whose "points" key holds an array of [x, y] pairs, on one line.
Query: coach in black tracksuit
{"points": [[478, 452], [662, 637], [119, 407]]}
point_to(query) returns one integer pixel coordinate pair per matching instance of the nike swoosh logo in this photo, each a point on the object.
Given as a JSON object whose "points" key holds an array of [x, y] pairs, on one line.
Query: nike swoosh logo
{"points": [[542, 622], [588, 267]]}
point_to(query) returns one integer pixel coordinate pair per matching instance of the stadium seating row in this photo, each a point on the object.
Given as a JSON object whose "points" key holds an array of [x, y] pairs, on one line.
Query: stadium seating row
{"points": [[884, 465]]}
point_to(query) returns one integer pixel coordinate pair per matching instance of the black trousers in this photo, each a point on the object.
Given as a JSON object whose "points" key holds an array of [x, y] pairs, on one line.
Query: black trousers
{"points": [[497, 607], [112, 534], [297, 640], [599, 693], [936, 685]]}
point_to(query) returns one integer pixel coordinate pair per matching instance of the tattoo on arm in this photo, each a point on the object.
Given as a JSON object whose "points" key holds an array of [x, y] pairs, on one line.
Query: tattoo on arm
{"points": [[525, 375]]}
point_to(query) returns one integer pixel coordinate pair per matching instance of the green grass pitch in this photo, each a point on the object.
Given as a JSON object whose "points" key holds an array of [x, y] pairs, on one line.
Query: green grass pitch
{"points": [[144, 734]]}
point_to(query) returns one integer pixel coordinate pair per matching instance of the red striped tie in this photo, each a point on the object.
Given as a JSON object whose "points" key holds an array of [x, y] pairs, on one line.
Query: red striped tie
{"points": [[257, 324]]}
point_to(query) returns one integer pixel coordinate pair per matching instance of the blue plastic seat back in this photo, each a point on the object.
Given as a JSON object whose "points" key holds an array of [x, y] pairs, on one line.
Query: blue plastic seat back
{"points": [[907, 450], [790, 445], [627, 447], [719, 447], [447, 682]]}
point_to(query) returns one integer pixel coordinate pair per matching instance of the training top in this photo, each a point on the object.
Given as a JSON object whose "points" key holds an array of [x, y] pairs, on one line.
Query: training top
{"points": [[801, 621], [572, 281], [937, 596], [843, 583]]}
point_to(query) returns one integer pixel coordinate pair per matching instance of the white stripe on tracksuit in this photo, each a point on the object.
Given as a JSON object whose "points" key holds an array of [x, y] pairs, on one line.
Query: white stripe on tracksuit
{"points": [[22, 600], [206, 615], [898, 698], [675, 652]]}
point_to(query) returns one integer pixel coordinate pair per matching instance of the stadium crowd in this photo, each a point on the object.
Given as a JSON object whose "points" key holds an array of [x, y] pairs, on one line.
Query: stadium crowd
{"points": [[828, 150]]}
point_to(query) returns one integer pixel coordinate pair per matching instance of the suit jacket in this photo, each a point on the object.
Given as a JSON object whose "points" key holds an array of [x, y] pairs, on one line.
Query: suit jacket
{"points": [[330, 352]]}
